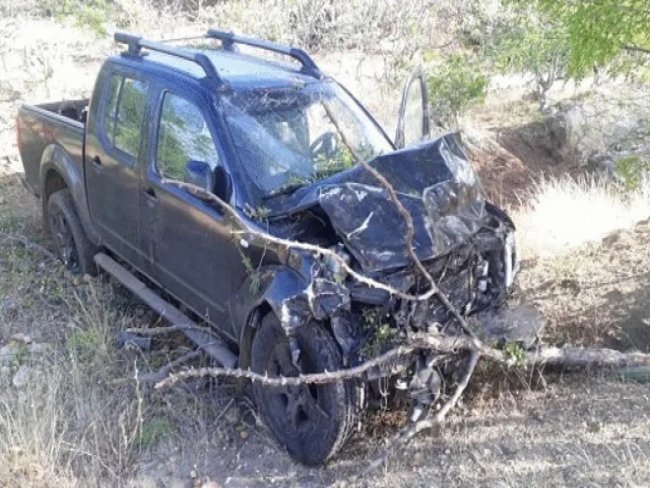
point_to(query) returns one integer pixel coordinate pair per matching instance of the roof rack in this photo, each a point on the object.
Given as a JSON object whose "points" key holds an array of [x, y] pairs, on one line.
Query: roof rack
{"points": [[229, 39], [136, 44]]}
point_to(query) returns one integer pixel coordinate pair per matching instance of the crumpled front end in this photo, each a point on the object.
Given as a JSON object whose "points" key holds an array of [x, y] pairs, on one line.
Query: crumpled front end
{"points": [[465, 243], [434, 182]]}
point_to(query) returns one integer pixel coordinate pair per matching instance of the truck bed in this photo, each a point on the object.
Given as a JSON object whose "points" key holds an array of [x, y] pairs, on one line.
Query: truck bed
{"points": [[50, 126]]}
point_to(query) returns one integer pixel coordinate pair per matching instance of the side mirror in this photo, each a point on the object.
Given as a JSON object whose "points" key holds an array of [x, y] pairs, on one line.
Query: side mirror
{"points": [[413, 116], [199, 173]]}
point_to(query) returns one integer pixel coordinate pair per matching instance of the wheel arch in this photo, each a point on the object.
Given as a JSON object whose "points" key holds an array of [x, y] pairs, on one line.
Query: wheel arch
{"points": [[277, 284], [58, 172], [248, 332]]}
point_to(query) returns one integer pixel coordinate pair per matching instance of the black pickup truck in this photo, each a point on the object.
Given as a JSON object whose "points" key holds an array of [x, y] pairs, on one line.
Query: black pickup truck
{"points": [[125, 179]]}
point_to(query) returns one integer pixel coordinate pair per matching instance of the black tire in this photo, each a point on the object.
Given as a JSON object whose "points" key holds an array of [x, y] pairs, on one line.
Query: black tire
{"points": [[311, 422], [72, 244]]}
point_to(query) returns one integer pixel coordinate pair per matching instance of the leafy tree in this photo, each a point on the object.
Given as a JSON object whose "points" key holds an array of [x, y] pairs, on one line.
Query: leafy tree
{"points": [[598, 31], [531, 42]]}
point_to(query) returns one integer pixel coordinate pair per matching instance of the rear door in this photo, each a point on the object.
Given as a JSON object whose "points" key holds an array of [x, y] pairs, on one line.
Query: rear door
{"points": [[114, 146], [189, 249], [413, 117]]}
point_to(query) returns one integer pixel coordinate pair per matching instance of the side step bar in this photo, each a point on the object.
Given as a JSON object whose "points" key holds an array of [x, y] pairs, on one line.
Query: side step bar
{"points": [[212, 345]]}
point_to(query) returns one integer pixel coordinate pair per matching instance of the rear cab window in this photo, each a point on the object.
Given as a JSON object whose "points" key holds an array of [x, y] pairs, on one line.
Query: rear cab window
{"points": [[124, 111]]}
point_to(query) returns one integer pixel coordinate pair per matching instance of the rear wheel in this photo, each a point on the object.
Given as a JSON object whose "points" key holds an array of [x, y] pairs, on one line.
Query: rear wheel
{"points": [[312, 421], [72, 244]]}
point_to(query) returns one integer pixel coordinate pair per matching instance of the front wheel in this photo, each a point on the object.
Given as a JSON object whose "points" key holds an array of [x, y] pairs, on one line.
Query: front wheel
{"points": [[72, 244], [312, 421]]}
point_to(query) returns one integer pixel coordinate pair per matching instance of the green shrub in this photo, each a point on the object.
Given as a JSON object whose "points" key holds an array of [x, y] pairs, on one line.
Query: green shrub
{"points": [[91, 14], [154, 431], [87, 345], [454, 87], [632, 170]]}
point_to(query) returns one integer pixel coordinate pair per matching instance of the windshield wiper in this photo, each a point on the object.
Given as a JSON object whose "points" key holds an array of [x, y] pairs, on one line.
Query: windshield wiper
{"points": [[284, 190]]}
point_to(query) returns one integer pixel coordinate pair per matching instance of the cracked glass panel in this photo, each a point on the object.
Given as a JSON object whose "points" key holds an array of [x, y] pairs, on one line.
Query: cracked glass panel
{"points": [[289, 137]]}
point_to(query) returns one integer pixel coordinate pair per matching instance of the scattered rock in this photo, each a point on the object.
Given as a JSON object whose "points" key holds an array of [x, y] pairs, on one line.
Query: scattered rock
{"points": [[20, 337], [22, 377], [602, 164], [8, 353], [36, 349], [207, 483]]}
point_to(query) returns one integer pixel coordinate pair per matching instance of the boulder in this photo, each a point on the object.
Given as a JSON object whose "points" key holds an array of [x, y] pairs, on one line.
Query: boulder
{"points": [[22, 377]]}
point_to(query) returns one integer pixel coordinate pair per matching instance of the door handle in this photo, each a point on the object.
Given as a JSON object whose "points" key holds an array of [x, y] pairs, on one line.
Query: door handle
{"points": [[150, 193], [96, 161]]}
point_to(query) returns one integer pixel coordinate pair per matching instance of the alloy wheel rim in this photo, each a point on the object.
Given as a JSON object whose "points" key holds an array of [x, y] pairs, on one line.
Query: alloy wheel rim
{"points": [[300, 404], [64, 241]]}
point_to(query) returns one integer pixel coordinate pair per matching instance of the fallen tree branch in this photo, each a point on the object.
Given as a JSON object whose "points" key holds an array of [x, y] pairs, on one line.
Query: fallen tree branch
{"points": [[28, 243], [638, 49], [577, 357], [162, 373], [282, 381], [289, 244], [153, 331]]}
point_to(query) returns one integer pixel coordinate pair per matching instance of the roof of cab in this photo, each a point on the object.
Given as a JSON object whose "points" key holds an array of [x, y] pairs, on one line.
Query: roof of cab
{"points": [[236, 69]]}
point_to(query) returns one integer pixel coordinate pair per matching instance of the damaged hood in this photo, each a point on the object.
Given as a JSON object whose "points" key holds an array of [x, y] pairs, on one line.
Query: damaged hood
{"points": [[434, 181]]}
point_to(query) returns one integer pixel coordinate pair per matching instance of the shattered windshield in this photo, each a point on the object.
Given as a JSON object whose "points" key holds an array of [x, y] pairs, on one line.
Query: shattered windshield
{"points": [[289, 137]]}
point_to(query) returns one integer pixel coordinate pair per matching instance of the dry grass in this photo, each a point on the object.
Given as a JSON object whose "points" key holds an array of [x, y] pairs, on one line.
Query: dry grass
{"points": [[82, 419], [562, 214], [79, 417]]}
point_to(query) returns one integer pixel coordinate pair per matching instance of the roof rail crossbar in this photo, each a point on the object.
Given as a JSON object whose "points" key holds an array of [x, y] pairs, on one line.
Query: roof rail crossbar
{"points": [[229, 39], [136, 44]]}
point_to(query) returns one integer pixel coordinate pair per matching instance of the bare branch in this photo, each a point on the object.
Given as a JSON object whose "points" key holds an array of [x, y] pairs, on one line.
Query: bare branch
{"points": [[28, 244], [162, 373], [637, 49], [280, 381], [153, 331], [289, 244], [570, 357]]}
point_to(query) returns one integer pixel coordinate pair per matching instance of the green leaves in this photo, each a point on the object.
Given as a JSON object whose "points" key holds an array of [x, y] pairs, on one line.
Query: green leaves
{"points": [[599, 31], [454, 87], [532, 42]]}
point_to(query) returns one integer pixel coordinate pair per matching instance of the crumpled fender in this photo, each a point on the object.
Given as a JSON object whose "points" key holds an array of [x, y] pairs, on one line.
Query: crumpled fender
{"points": [[295, 300], [276, 283]]}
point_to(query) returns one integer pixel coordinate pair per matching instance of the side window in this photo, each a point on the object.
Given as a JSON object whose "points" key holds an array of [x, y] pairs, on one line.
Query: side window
{"points": [[124, 113], [111, 106], [183, 135], [130, 115]]}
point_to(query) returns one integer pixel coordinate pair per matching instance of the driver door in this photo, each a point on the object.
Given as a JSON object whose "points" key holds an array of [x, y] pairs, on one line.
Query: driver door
{"points": [[413, 118], [189, 252]]}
